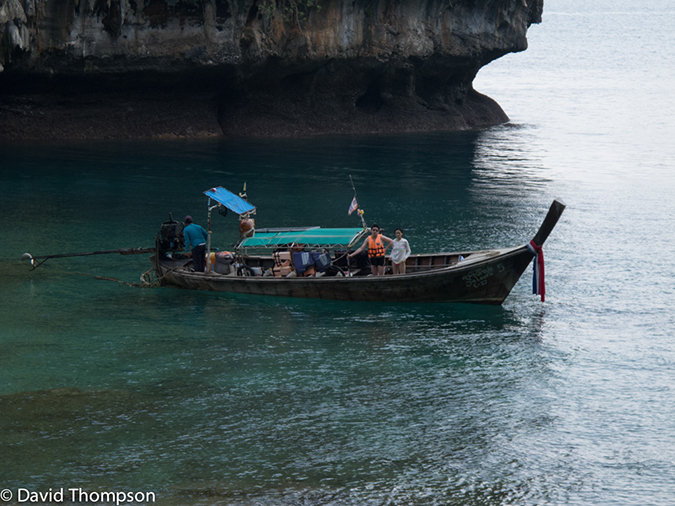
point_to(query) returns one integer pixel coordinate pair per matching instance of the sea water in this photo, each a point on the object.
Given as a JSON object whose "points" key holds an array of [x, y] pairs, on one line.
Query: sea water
{"points": [[204, 398]]}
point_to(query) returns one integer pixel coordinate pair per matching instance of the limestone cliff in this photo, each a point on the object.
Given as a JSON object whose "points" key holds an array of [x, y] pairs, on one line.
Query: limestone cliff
{"points": [[136, 68]]}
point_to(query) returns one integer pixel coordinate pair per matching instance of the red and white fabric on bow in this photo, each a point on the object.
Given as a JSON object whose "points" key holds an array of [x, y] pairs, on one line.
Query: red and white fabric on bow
{"points": [[538, 281]]}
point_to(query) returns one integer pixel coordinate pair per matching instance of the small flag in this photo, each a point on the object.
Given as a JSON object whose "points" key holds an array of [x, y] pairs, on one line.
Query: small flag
{"points": [[353, 206]]}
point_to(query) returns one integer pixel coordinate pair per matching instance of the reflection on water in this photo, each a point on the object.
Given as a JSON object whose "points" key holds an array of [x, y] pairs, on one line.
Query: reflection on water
{"points": [[209, 397], [214, 397], [430, 185], [323, 404]]}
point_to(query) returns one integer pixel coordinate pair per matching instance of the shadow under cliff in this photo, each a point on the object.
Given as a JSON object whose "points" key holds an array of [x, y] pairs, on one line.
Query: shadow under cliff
{"points": [[200, 103]]}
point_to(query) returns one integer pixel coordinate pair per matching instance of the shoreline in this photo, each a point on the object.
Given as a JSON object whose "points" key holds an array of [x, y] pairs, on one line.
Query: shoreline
{"points": [[141, 116]]}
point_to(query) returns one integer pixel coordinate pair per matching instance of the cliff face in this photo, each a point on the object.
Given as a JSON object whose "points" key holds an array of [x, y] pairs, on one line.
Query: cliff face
{"points": [[135, 68]]}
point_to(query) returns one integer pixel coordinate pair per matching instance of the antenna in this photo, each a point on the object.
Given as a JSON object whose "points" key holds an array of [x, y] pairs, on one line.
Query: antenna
{"points": [[359, 211]]}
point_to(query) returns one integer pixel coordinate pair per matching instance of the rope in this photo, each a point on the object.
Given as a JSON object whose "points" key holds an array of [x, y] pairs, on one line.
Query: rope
{"points": [[146, 279]]}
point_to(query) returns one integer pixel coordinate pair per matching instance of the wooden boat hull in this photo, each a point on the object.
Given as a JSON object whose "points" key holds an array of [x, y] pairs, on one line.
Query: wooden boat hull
{"points": [[485, 277]]}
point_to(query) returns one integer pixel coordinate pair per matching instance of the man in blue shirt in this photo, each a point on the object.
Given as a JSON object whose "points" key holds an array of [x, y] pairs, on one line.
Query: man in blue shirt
{"points": [[195, 238]]}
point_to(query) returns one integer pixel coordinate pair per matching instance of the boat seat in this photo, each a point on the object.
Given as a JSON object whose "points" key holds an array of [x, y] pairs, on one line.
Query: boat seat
{"points": [[283, 264]]}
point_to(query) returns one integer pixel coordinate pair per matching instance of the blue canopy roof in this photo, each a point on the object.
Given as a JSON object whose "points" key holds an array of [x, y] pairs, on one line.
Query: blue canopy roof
{"points": [[230, 200]]}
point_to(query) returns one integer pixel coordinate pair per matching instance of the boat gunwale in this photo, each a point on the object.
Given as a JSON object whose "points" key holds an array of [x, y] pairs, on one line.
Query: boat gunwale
{"points": [[468, 264]]}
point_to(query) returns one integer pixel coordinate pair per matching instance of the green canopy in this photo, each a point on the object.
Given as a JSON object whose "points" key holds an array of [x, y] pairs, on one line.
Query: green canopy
{"points": [[311, 238]]}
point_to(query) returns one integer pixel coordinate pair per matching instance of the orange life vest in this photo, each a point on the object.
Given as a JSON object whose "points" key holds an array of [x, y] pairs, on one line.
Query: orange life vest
{"points": [[375, 248]]}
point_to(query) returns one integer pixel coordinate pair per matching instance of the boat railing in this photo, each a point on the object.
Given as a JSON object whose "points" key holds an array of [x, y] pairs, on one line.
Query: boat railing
{"points": [[420, 263]]}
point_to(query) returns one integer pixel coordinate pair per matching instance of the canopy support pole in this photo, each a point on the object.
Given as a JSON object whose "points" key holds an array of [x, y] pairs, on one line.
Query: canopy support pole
{"points": [[208, 239]]}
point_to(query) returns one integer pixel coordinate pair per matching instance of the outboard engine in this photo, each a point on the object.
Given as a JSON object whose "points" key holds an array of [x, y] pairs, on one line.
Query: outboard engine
{"points": [[170, 237]]}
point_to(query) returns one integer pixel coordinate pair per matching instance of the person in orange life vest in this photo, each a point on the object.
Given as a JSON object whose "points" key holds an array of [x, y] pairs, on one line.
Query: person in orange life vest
{"points": [[376, 250]]}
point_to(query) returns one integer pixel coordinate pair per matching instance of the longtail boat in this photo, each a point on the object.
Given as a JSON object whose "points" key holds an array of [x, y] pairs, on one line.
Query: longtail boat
{"points": [[311, 262]]}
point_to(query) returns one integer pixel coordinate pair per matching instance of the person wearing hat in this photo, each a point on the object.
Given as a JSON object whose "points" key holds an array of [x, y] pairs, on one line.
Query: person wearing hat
{"points": [[195, 239]]}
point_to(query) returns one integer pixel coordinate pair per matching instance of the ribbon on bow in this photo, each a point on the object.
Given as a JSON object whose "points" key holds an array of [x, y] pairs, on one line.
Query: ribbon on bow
{"points": [[538, 282]]}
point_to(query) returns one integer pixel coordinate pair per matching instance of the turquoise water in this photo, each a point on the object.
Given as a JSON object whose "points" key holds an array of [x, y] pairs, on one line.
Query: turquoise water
{"points": [[210, 399]]}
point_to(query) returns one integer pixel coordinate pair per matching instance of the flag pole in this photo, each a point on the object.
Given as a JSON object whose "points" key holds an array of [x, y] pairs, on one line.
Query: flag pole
{"points": [[358, 210]]}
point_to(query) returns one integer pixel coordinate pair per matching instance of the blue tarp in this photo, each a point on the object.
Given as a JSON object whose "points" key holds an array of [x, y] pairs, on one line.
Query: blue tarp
{"points": [[313, 237], [230, 200]]}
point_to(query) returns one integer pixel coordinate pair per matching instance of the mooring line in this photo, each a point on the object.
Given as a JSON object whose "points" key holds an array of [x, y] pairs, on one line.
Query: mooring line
{"points": [[146, 279]]}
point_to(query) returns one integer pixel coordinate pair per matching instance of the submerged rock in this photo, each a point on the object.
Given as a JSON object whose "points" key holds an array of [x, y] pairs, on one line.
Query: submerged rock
{"points": [[143, 68]]}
